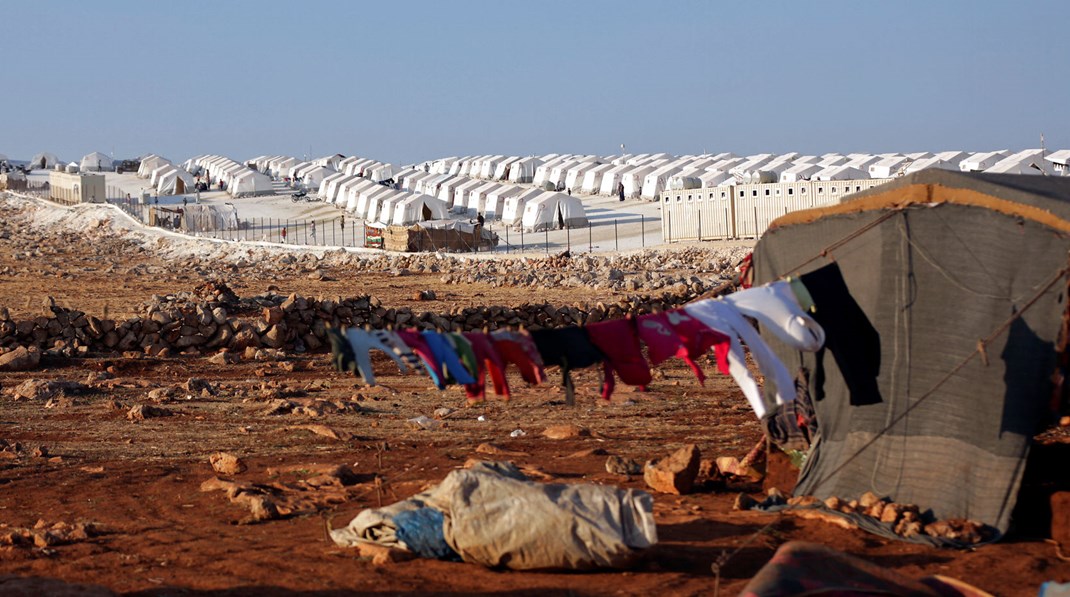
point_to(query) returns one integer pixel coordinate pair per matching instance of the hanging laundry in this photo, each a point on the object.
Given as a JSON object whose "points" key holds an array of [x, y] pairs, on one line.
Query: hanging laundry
{"points": [[774, 306], [399, 351], [341, 351], [416, 342], [489, 361], [445, 354], [724, 318], [519, 349], [676, 334], [570, 348], [849, 336], [464, 351], [363, 342], [619, 342]]}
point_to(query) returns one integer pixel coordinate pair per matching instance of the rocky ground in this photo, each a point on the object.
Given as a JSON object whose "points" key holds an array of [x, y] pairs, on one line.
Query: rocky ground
{"points": [[110, 465]]}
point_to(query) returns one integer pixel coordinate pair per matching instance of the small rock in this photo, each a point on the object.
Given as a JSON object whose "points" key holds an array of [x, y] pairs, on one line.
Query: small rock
{"points": [[227, 464], [868, 499], [566, 431], [20, 359], [675, 474], [141, 412], [424, 422], [617, 465], [443, 412]]}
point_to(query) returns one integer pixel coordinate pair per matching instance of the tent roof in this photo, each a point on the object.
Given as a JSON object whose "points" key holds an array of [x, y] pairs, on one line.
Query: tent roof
{"points": [[1045, 199]]}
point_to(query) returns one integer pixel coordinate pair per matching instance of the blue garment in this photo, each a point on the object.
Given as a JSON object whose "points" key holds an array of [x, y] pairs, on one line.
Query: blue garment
{"points": [[421, 531], [443, 352]]}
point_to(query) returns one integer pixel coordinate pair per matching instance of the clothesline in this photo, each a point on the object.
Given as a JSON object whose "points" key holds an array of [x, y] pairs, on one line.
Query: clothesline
{"points": [[687, 333]]}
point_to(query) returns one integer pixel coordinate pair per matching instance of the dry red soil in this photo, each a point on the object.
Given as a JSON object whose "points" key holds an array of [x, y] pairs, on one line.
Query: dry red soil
{"points": [[139, 483]]}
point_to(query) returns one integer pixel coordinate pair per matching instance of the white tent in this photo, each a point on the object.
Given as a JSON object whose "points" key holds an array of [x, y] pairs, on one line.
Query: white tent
{"points": [[154, 177], [523, 170], [368, 202], [477, 198], [712, 178], [575, 174], [492, 207], [633, 180], [44, 160], [654, 182], [381, 172], [501, 171], [1029, 161], [551, 211], [611, 178], [150, 163], [250, 183], [592, 179], [175, 182], [982, 161], [513, 207], [1060, 161], [96, 162], [343, 188], [886, 167], [800, 172], [380, 201], [325, 185], [351, 197], [446, 188], [490, 165], [840, 173], [386, 207], [278, 168], [311, 178], [431, 186], [418, 208], [460, 194]]}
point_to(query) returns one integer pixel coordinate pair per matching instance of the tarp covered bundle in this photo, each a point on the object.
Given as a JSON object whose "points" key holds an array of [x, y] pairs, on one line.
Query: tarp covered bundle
{"points": [[913, 273], [494, 516]]}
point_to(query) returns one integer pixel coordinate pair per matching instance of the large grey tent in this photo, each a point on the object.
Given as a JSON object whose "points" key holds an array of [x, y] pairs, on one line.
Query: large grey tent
{"points": [[911, 275]]}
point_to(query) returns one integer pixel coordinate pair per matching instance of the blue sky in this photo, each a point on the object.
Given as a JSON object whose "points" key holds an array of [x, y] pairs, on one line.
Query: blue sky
{"points": [[406, 81]]}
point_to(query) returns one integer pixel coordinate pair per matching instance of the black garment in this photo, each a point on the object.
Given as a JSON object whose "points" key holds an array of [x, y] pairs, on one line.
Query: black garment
{"points": [[793, 426], [570, 348], [849, 335], [341, 352]]}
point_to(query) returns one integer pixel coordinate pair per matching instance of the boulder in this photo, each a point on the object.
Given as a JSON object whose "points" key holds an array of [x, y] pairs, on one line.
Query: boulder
{"points": [[141, 412], [20, 359], [567, 431], [675, 474], [227, 464]]}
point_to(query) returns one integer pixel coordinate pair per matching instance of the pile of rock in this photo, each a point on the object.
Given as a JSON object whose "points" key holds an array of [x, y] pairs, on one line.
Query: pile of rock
{"points": [[213, 318]]}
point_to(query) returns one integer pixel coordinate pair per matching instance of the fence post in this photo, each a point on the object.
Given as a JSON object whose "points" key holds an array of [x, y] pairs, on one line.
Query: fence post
{"points": [[568, 239], [699, 224], [521, 240], [546, 239], [616, 239], [642, 228], [755, 221], [590, 241], [508, 247]]}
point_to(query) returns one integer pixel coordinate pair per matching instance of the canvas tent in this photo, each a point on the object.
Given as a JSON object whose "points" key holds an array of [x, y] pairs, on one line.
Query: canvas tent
{"points": [[174, 182], [250, 183], [96, 162], [44, 160], [512, 208], [551, 211], [912, 273], [150, 163], [418, 208]]}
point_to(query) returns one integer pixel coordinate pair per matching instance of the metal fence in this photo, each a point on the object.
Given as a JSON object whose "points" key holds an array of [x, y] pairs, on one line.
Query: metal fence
{"points": [[347, 232]]}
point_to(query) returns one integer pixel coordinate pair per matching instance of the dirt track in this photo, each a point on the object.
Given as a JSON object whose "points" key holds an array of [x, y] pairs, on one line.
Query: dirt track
{"points": [[140, 482]]}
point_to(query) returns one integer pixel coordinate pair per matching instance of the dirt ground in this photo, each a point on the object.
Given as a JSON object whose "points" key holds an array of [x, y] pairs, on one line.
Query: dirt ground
{"points": [[158, 533]]}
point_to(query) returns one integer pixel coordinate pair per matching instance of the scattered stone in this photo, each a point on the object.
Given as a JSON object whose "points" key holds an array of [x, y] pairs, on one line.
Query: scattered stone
{"points": [[744, 502], [496, 450], [588, 453], [325, 431], [675, 474], [20, 359], [227, 464], [617, 465], [566, 431], [424, 422], [141, 412], [443, 412], [39, 389]]}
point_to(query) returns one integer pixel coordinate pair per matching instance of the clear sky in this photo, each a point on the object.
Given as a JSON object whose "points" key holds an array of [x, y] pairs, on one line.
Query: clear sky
{"points": [[406, 81]]}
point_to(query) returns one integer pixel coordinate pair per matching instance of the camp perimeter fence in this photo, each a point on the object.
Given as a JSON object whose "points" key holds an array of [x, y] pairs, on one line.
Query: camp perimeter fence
{"points": [[343, 231]]}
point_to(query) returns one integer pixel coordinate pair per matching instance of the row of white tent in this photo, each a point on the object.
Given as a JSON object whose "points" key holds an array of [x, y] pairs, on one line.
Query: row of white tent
{"points": [[238, 179], [165, 177], [420, 195], [647, 175]]}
